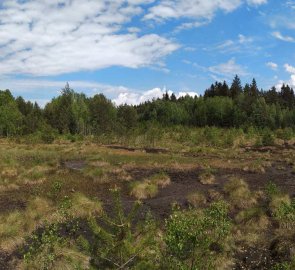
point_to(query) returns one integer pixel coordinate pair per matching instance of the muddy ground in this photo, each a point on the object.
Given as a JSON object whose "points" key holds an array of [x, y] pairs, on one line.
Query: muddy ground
{"points": [[183, 182]]}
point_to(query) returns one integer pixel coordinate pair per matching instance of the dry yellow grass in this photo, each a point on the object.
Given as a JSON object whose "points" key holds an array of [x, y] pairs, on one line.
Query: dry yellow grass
{"points": [[207, 178], [196, 199], [239, 193], [144, 190]]}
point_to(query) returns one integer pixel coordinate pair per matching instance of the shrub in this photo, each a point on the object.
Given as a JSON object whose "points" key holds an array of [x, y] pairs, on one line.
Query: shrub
{"points": [[285, 134], [47, 136], [119, 241], [191, 235], [272, 190], [267, 138]]}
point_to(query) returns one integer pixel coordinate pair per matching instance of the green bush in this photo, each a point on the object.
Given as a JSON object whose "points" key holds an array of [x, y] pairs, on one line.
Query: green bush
{"points": [[190, 237]]}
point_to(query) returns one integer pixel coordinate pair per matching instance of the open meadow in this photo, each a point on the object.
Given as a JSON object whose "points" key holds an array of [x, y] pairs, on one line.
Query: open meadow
{"points": [[77, 205]]}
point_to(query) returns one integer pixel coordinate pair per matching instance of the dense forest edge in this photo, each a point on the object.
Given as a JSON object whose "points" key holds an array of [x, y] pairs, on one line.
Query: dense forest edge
{"points": [[243, 109]]}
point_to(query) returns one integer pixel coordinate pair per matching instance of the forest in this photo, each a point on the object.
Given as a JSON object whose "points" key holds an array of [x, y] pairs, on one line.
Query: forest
{"points": [[221, 105]]}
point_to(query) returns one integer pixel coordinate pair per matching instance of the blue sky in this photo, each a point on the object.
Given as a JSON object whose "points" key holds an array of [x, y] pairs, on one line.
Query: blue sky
{"points": [[133, 50]]}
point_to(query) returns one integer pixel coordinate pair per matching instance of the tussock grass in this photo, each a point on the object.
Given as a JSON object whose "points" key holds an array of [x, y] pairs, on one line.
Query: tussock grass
{"points": [[144, 190], [121, 174], [161, 179], [66, 258], [277, 201], [85, 207], [256, 167], [149, 187], [196, 199], [98, 174], [16, 225], [207, 177], [239, 194]]}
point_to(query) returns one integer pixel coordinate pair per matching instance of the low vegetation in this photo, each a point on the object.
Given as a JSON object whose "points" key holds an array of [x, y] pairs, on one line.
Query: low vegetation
{"points": [[172, 197]]}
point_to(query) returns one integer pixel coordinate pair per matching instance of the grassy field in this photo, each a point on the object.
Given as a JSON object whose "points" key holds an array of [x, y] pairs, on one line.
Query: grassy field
{"points": [[51, 195]]}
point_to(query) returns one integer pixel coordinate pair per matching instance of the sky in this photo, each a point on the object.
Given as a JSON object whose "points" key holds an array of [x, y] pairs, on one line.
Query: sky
{"points": [[135, 50]]}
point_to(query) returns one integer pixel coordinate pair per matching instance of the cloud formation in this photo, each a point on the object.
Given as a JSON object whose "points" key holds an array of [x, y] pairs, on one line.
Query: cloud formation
{"points": [[291, 70], [280, 36], [52, 37], [199, 12], [134, 98], [272, 65], [228, 69]]}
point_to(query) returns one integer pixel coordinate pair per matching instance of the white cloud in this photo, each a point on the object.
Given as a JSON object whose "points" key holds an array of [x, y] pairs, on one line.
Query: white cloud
{"points": [[48, 89], [244, 40], [242, 44], [197, 10], [256, 2], [61, 36], [272, 65], [289, 68], [279, 36], [135, 98], [228, 69]]}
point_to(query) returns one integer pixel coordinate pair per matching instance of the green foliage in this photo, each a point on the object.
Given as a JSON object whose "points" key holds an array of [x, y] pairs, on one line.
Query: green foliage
{"points": [[44, 244], [119, 241], [190, 236], [285, 134], [267, 138], [286, 212], [285, 265], [222, 106], [272, 189]]}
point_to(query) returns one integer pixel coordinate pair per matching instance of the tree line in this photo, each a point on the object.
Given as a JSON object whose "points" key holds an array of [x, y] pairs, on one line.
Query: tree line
{"points": [[222, 105]]}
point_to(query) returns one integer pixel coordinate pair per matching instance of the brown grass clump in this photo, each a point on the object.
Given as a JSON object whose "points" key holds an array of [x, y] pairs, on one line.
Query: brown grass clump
{"points": [[162, 180], [207, 178], [196, 199], [65, 258], [251, 225], [16, 225], [98, 174], [254, 217], [239, 193], [9, 173], [254, 167], [121, 174], [277, 201], [144, 190], [84, 207], [149, 188], [214, 195]]}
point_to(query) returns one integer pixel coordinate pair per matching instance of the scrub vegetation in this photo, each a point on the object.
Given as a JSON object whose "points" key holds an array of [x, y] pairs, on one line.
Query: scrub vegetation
{"points": [[189, 183]]}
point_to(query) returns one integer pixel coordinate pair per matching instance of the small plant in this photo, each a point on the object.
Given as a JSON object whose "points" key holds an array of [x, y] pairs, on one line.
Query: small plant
{"points": [[42, 247], [272, 189], [191, 235], [56, 189], [120, 242], [285, 265], [267, 138], [285, 213]]}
